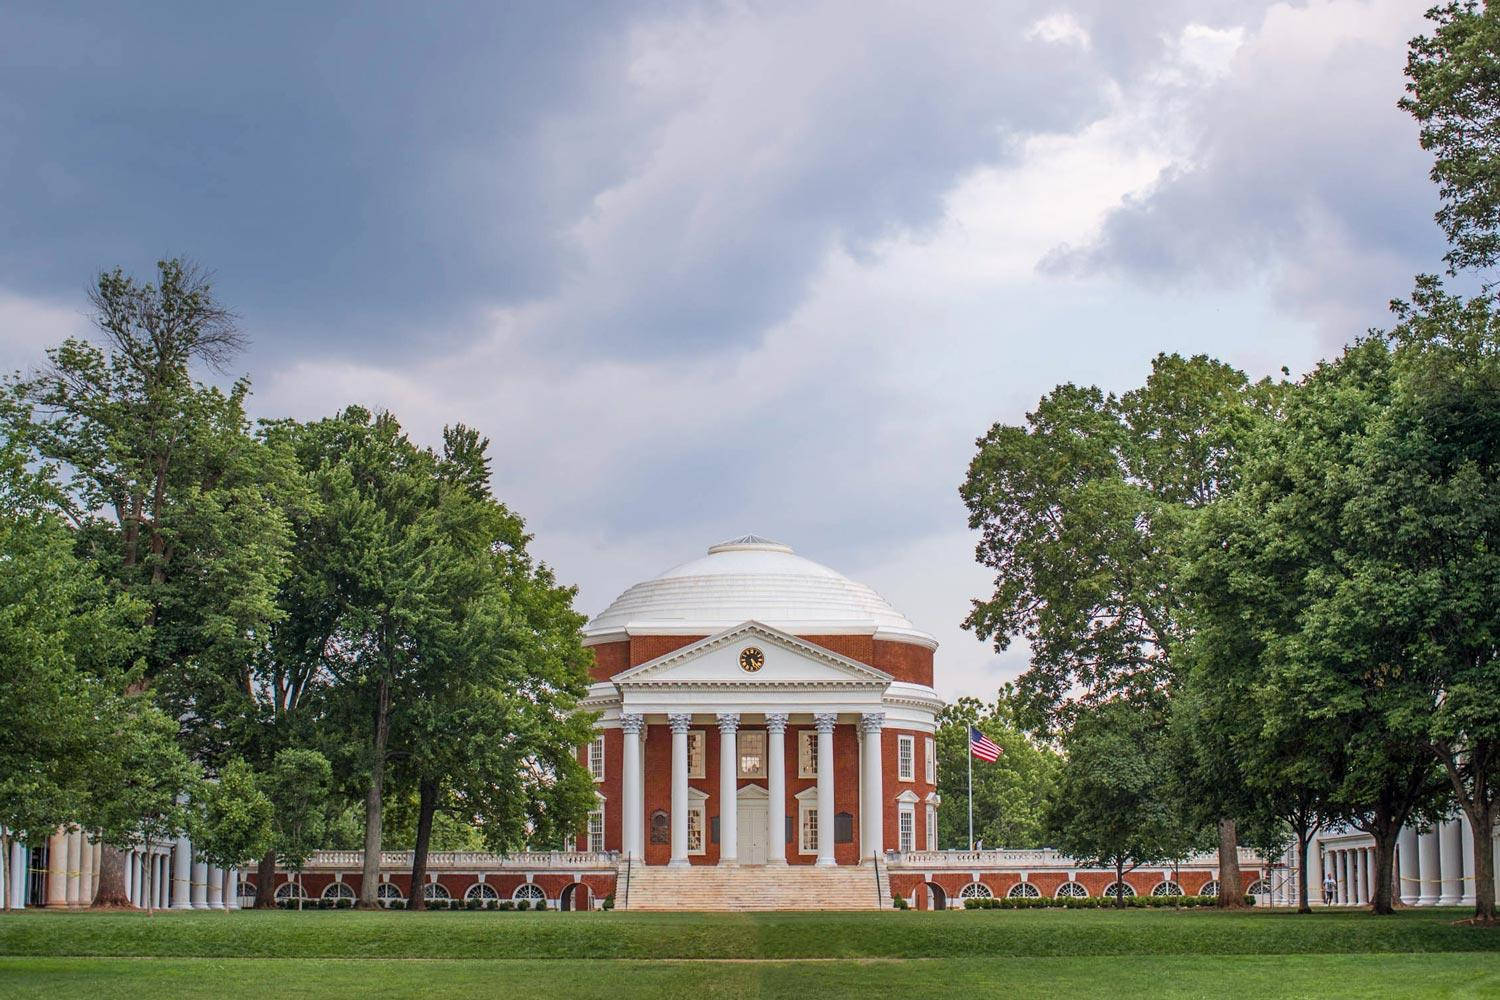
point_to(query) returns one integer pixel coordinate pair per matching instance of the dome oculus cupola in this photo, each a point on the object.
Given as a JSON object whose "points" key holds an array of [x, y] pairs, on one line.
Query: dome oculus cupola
{"points": [[751, 578]]}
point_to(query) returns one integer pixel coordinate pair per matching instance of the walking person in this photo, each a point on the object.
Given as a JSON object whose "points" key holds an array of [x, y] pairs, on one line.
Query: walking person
{"points": [[1330, 889]]}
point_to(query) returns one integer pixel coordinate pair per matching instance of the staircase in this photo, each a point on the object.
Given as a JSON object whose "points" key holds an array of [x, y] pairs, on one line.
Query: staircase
{"points": [[793, 887]]}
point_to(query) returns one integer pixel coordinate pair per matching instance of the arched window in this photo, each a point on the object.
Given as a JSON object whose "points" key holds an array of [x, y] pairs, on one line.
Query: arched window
{"points": [[1123, 888], [388, 894], [338, 890], [289, 890], [480, 890], [1024, 890], [1210, 888], [434, 890], [1071, 890], [975, 890], [1260, 887], [1167, 888], [246, 892], [528, 891]]}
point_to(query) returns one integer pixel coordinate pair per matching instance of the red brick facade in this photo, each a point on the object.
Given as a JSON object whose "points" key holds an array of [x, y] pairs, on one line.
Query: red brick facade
{"points": [[904, 661]]}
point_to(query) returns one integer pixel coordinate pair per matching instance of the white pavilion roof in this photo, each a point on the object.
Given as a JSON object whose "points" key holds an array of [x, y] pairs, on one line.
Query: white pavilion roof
{"points": [[753, 579]]}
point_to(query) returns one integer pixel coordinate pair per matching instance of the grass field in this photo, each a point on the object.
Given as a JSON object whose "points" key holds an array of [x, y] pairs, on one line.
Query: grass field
{"points": [[1028, 953]]}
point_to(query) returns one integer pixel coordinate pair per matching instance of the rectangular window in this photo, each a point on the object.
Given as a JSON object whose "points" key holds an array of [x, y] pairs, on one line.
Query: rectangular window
{"points": [[908, 838], [906, 753], [808, 824], [752, 747], [932, 828], [596, 831], [807, 753], [695, 827], [929, 748], [697, 752], [596, 757]]}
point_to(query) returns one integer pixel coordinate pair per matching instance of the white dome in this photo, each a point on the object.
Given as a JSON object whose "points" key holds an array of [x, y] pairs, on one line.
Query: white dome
{"points": [[754, 579]]}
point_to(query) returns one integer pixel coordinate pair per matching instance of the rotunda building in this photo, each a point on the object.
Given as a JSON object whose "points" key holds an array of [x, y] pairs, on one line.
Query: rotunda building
{"points": [[758, 708]]}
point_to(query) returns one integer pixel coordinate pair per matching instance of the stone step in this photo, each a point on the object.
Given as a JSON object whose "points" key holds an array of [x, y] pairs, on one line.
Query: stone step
{"points": [[795, 887]]}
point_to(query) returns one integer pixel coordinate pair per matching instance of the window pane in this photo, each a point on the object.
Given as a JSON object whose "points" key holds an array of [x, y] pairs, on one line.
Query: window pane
{"points": [[695, 829], [697, 740], [752, 747], [809, 830]]}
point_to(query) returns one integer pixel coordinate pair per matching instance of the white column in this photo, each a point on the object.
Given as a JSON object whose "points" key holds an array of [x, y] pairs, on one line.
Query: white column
{"points": [[163, 883], [215, 887], [1359, 876], [825, 722], [233, 902], [1314, 873], [631, 802], [1406, 866], [1427, 862], [200, 885], [1467, 889], [182, 874], [20, 875], [57, 869], [94, 866], [1449, 853], [776, 788], [680, 725], [872, 795], [75, 866], [729, 786], [1346, 879], [131, 875]]}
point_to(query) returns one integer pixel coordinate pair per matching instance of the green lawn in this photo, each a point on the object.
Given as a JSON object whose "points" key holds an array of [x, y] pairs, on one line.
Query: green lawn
{"points": [[1017, 953]]}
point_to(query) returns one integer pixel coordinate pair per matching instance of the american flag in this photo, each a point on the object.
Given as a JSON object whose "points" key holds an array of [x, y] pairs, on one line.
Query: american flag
{"points": [[982, 746]]}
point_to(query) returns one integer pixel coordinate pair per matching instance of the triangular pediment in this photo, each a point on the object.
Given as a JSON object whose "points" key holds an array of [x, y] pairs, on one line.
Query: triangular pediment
{"points": [[785, 661]]}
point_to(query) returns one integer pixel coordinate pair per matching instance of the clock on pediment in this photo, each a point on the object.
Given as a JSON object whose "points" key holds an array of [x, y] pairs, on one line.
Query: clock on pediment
{"points": [[751, 659]]}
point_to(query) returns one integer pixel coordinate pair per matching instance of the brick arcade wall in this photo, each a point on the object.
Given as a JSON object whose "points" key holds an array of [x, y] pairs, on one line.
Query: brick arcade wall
{"points": [[599, 884], [890, 772], [907, 883]]}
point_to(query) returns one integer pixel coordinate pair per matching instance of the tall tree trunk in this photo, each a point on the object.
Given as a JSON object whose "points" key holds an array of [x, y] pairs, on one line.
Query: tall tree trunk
{"points": [[7, 875], [1304, 841], [1384, 902], [112, 894], [1231, 892], [150, 880], [224, 896], [1119, 884], [265, 874], [1481, 823], [427, 794], [369, 897]]}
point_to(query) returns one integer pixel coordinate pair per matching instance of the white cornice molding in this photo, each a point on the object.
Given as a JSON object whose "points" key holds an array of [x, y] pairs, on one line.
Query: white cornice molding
{"points": [[858, 674], [880, 633]]}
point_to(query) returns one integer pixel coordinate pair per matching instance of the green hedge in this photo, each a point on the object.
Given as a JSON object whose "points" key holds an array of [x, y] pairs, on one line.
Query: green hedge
{"points": [[1094, 902]]}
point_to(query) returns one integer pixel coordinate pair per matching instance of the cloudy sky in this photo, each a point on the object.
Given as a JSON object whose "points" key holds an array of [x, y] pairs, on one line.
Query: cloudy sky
{"points": [[707, 269]]}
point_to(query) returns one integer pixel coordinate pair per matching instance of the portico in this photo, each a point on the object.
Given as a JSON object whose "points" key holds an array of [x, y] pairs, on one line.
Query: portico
{"points": [[703, 691]]}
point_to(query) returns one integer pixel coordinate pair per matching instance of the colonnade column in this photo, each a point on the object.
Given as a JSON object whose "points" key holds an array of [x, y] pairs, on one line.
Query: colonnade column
{"points": [[1449, 851], [776, 788], [1406, 866], [75, 864], [1469, 882], [680, 725], [132, 875], [20, 876], [57, 869], [233, 902], [1314, 862], [631, 805], [200, 885], [1427, 863], [216, 900], [872, 796], [1346, 877], [182, 874], [1359, 876], [825, 721], [729, 786]]}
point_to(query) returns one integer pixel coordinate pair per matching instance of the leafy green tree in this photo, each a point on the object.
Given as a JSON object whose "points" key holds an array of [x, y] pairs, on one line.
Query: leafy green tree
{"points": [[65, 637], [297, 784], [170, 495], [512, 663], [1084, 513], [231, 821], [1454, 93], [1010, 795], [1112, 807]]}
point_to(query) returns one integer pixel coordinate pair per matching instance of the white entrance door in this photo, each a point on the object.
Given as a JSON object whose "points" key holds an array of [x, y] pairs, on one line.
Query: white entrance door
{"points": [[752, 817]]}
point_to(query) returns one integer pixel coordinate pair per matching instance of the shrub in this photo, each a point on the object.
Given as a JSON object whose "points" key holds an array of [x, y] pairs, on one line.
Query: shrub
{"points": [[523, 904], [609, 901], [899, 903], [473, 903], [506, 904], [492, 904], [397, 904], [344, 904], [1249, 899]]}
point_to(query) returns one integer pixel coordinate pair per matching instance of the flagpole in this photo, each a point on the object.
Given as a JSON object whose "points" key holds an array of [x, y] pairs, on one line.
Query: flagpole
{"points": [[971, 790]]}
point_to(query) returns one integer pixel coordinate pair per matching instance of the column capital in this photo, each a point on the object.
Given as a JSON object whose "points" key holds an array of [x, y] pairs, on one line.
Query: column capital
{"points": [[728, 722], [872, 722], [825, 721], [776, 722], [680, 722], [632, 724]]}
